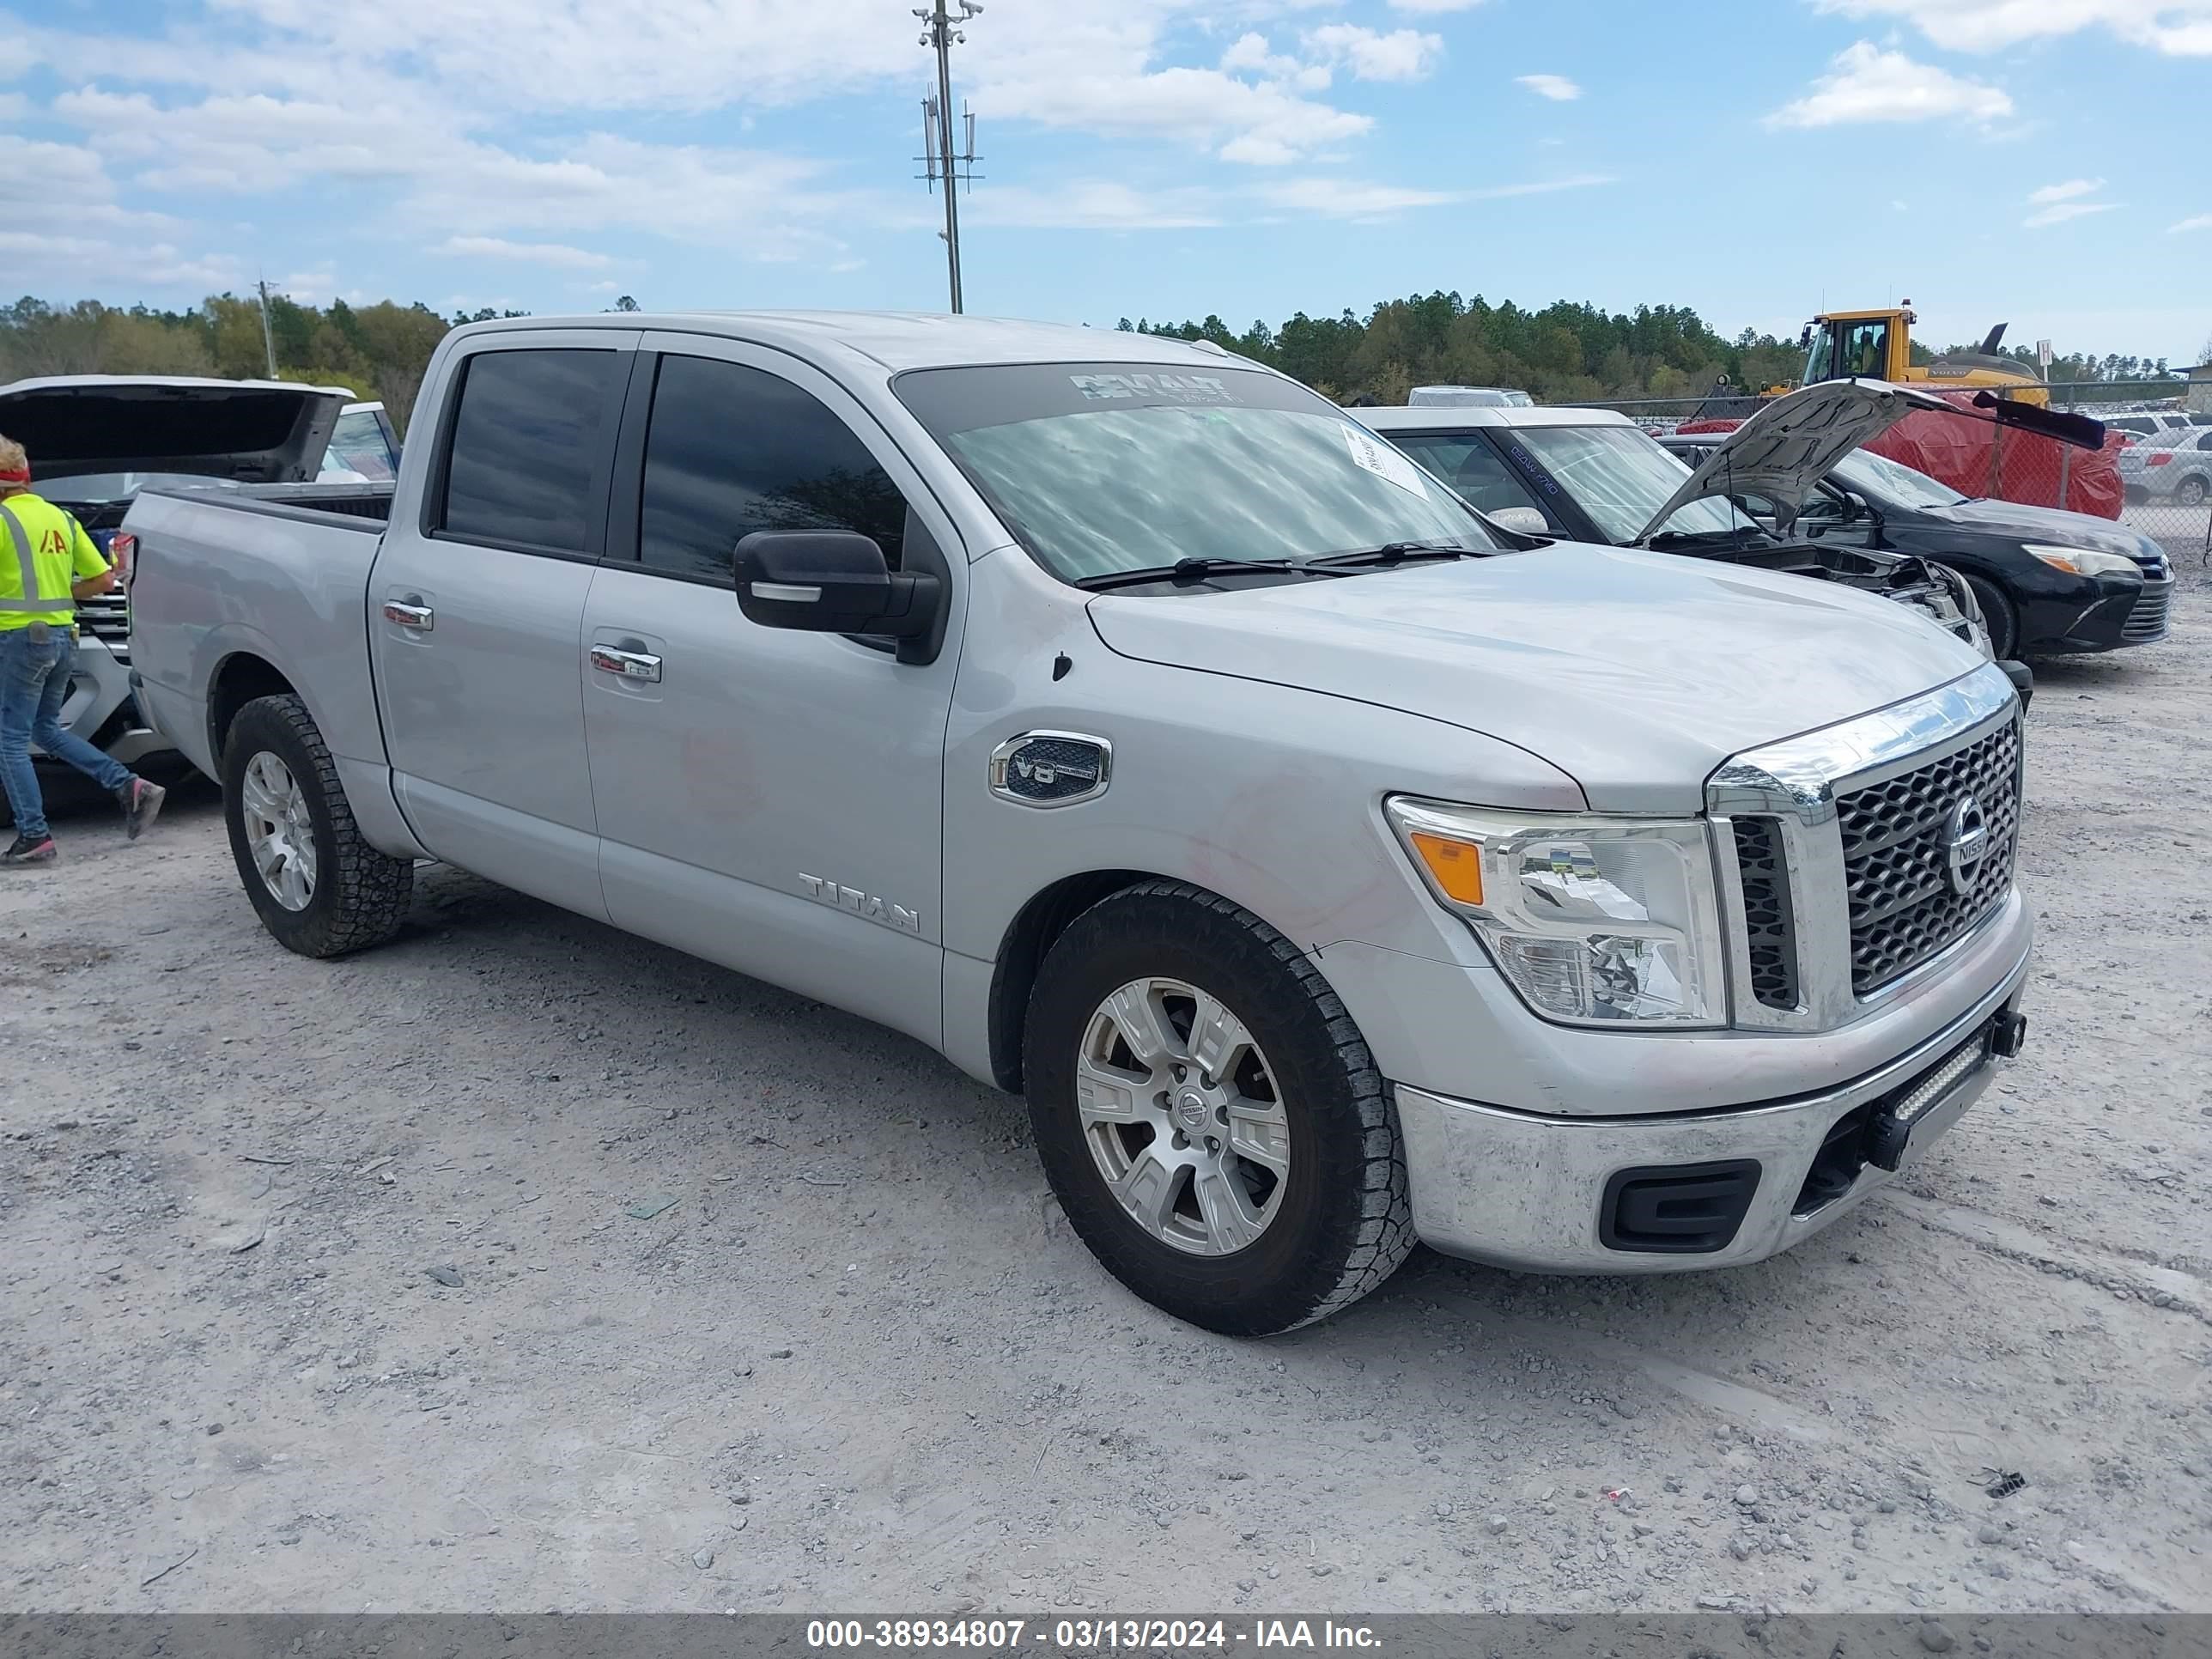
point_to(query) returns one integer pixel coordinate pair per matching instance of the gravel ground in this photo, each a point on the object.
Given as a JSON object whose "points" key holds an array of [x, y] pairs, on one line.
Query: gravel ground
{"points": [[521, 1266]]}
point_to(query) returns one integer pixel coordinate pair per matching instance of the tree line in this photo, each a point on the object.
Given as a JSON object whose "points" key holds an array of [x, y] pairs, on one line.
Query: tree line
{"points": [[1566, 352]]}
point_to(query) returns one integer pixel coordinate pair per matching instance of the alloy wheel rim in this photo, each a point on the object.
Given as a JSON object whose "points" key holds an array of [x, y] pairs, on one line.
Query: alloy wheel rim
{"points": [[280, 833], [1182, 1115]]}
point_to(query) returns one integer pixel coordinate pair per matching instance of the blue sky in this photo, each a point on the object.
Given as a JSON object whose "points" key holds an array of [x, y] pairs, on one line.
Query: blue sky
{"points": [[2040, 162]]}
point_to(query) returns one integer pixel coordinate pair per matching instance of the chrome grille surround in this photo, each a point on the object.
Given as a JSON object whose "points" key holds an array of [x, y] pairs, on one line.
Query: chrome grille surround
{"points": [[1794, 788]]}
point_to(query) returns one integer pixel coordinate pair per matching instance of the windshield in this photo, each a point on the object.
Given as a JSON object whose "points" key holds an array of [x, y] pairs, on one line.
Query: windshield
{"points": [[121, 486], [359, 447], [1880, 478], [1621, 476], [1821, 362], [1103, 467]]}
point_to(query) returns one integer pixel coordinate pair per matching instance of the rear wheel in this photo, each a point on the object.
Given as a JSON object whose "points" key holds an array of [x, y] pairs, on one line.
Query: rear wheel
{"points": [[2191, 492], [1209, 1117], [319, 888], [1998, 617]]}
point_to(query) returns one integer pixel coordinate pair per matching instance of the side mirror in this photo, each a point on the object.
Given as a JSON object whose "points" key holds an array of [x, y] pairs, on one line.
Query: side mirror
{"points": [[1525, 520], [831, 581]]}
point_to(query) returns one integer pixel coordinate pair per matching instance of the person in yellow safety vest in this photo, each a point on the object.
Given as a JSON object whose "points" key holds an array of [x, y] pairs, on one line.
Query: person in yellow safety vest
{"points": [[47, 563]]}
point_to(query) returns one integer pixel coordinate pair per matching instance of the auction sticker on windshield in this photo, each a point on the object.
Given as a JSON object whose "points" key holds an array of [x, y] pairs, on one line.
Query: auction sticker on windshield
{"points": [[1163, 388], [1382, 460]]}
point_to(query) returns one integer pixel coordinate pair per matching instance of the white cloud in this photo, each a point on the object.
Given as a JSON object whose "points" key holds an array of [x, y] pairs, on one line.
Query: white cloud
{"points": [[1095, 204], [2199, 222], [1557, 88], [86, 262], [1251, 54], [2064, 211], [1432, 7], [1400, 55], [1869, 84], [2180, 28], [319, 288], [559, 254], [482, 131], [1542, 186], [2055, 204], [1348, 199], [2065, 192]]}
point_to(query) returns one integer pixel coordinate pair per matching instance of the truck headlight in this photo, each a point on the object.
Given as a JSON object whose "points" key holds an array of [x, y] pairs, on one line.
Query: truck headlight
{"points": [[2084, 562], [1594, 921]]}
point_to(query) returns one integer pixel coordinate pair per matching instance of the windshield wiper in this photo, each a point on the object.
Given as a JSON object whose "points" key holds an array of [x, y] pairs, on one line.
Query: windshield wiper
{"points": [[1392, 553], [1194, 570]]}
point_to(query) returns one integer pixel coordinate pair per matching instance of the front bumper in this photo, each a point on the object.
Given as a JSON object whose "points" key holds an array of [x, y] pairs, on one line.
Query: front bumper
{"points": [[2134, 615], [1533, 1192]]}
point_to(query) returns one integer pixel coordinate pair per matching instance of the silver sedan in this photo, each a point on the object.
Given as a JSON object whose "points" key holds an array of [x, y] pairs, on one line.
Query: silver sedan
{"points": [[2176, 465]]}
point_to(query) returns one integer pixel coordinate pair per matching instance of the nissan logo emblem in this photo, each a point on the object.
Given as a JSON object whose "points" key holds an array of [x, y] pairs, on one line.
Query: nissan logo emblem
{"points": [[1965, 842]]}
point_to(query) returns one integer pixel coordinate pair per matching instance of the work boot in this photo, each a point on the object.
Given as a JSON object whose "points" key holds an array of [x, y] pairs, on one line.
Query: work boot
{"points": [[141, 802], [30, 850]]}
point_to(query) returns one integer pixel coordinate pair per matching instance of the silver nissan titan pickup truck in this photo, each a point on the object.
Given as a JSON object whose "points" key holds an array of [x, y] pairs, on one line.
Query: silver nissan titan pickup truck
{"points": [[1330, 867]]}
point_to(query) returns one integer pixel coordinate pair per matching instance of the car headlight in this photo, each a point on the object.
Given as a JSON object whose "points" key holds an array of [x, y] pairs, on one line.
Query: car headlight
{"points": [[1593, 922], [2084, 561]]}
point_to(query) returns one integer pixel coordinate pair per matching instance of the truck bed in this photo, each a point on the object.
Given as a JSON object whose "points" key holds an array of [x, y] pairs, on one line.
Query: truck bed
{"points": [[271, 572]]}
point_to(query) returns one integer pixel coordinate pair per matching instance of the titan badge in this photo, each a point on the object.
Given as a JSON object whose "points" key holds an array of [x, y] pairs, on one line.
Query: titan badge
{"points": [[866, 906]]}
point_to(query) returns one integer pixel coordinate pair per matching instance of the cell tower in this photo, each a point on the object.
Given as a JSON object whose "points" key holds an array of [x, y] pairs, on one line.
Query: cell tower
{"points": [[942, 163]]}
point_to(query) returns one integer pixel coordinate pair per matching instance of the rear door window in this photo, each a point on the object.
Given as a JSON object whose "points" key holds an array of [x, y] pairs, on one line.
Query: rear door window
{"points": [[731, 449], [533, 439]]}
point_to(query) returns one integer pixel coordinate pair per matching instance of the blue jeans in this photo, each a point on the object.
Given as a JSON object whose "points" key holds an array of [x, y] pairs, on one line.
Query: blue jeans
{"points": [[35, 678]]}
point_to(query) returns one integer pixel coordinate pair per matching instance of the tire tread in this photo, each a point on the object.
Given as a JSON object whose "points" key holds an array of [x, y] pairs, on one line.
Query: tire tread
{"points": [[371, 891], [1384, 1237]]}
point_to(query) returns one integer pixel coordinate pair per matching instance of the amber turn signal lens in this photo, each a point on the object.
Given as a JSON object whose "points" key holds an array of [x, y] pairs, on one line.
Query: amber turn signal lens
{"points": [[1455, 865]]}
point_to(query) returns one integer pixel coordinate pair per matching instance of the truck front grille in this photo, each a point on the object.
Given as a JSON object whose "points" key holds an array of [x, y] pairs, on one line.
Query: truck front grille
{"points": [[1905, 904], [1766, 911], [106, 617]]}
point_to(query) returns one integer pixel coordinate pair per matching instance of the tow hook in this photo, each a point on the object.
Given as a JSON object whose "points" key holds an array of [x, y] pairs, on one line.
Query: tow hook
{"points": [[2007, 1033]]}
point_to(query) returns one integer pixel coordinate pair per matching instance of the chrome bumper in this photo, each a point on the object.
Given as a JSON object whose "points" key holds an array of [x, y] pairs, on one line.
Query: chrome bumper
{"points": [[1524, 1191]]}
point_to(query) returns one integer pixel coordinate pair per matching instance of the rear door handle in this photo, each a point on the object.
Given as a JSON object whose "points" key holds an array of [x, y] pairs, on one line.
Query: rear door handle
{"points": [[629, 665], [410, 616]]}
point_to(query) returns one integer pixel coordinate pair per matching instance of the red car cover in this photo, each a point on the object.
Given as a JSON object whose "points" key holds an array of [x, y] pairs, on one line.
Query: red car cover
{"points": [[1978, 457]]}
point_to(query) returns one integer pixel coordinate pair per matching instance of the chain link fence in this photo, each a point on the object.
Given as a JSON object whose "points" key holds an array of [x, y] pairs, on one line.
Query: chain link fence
{"points": [[2155, 474]]}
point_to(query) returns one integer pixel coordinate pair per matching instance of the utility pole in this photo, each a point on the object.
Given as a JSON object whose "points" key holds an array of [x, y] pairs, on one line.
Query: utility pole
{"points": [[942, 31], [268, 340]]}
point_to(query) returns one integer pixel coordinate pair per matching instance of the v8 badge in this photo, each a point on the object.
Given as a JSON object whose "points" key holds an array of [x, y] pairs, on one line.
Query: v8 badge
{"points": [[1051, 768]]}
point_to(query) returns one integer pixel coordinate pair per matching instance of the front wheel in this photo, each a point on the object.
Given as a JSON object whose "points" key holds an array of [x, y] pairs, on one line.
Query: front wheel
{"points": [[319, 888], [1997, 616], [1209, 1117]]}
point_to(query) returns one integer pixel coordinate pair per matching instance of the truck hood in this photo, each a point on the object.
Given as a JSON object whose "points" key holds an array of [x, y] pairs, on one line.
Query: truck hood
{"points": [[248, 431], [1636, 673], [1785, 449]]}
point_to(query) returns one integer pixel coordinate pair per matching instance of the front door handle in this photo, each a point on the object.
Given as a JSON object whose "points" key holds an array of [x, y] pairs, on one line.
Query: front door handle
{"points": [[410, 616], [630, 664]]}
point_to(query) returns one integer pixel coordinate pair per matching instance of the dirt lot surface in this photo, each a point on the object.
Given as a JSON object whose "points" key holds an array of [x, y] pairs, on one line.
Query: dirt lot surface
{"points": [[524, 1266]]}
